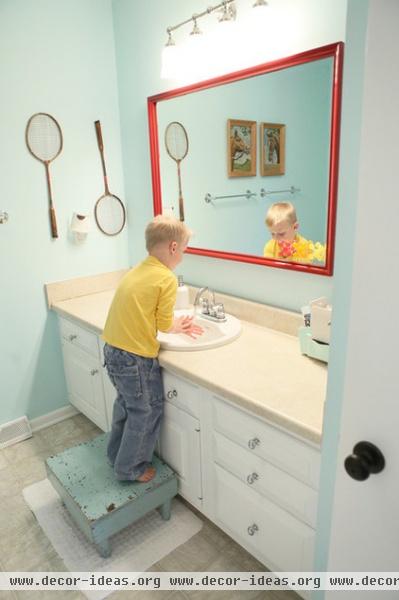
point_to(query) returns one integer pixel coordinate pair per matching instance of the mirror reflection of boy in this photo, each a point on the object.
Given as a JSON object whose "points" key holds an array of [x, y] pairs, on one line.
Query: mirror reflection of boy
{"points": [[286, 243]]}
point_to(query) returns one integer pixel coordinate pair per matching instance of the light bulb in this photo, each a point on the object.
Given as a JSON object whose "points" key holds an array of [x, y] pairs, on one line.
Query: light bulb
{"points": [[258, 18], [195, 42], [170, 60]]}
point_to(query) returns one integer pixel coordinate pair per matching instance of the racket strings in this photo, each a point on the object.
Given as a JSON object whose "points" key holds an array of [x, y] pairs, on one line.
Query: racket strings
{"points": [[110, 214], [176, 141], [44, 137]]}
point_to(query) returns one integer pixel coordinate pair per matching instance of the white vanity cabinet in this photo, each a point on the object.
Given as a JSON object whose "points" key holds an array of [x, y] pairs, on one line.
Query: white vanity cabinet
{"points": [[265, 487], [259, 482], [180, 438], [83, 371], [256, 481]]}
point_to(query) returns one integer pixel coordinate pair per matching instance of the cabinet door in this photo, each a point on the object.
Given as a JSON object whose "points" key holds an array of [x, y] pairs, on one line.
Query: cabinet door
{"points": [[180, 448], [266, 479], [277, 538], [84, 382]]}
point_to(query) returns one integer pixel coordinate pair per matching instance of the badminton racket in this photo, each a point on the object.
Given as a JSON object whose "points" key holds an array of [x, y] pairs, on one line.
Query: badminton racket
{"points": [[109, 210], [176, 142], [44, 140]]}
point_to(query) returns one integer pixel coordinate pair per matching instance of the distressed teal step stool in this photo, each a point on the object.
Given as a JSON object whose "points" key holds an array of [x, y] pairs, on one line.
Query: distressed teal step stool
{"points": [[98, 503]]}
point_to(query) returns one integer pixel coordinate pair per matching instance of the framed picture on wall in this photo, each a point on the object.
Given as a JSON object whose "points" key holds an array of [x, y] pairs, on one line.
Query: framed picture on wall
{"points": [[272, 144], [241, 148]]}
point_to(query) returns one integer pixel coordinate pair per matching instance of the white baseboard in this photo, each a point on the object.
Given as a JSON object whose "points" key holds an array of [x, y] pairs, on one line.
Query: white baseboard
{"points": [[53, 417]]}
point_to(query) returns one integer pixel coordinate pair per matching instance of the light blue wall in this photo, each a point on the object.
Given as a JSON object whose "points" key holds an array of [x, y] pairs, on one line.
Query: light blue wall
{"points": [[56, 57], [299, 97], [140, 35]]}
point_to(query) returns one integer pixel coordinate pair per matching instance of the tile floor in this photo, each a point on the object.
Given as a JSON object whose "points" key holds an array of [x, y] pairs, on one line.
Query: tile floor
{"points": [[24, 547]]}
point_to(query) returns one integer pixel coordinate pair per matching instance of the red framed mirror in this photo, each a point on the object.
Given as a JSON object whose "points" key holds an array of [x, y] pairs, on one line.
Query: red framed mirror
{"points": [[257, 181]]}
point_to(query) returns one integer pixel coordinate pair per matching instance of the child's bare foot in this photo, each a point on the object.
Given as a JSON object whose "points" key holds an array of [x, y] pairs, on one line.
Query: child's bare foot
{"points": [[147, 475]]}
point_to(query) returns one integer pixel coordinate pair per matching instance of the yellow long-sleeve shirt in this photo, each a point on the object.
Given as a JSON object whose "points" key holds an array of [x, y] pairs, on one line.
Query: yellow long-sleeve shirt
{"points": [[142, 305], [272, 250]]}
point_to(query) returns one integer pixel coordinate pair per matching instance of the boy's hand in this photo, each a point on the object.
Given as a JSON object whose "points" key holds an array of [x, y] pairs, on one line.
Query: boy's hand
{"points": [[185, 325]]}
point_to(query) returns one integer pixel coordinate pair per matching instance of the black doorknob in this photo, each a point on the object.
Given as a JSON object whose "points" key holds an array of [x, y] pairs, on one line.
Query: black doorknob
{"points": [[366, 459]]}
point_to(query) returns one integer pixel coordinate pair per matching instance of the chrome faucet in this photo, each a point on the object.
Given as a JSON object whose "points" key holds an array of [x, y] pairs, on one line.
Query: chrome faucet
{"points": [[198, 295], [209, 308]]}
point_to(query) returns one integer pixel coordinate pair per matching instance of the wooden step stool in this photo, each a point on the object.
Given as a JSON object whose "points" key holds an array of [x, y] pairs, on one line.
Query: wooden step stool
{"points": [[99, 504]]}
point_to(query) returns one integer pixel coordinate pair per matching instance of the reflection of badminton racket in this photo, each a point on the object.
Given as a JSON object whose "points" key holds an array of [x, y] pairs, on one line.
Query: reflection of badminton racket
{"points": [[109, 211], [44, 140], [176, 142]]}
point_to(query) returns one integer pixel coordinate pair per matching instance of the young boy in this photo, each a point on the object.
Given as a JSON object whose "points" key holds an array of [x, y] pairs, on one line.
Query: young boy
{"points": [[142, 305], [283, 225]]}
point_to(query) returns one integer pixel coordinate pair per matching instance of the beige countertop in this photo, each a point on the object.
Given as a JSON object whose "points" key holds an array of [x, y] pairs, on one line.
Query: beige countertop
{"points": [[262, 371]]}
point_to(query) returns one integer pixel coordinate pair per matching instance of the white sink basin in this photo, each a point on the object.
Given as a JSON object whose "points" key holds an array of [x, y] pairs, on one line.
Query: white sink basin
{"points": [[214, 334]]}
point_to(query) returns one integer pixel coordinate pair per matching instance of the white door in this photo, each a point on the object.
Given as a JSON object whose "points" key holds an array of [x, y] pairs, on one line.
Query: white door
{"points": [[365, 520]]}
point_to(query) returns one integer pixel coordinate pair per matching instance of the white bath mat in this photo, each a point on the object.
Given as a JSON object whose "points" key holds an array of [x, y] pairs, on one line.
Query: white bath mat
{"points": [[135, 548]]}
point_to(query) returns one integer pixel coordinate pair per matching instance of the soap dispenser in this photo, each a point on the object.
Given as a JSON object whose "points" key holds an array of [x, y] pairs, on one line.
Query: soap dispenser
{"points": [[182, 297]]}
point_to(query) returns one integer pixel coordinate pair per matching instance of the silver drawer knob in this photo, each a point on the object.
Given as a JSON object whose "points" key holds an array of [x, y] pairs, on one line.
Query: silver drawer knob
{"points": [[252, 477], [93, 372], [253, 443], [172, 394], [72, 337], [252, 529]]}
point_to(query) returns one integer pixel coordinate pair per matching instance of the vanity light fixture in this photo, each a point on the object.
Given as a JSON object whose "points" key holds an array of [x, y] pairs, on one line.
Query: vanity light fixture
{"points": [[226, 8], [170, 54]]}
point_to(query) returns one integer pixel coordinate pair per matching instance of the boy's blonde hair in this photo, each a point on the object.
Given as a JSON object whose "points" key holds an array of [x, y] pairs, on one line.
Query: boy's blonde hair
{"points": [[281, 212], [165, 229]]}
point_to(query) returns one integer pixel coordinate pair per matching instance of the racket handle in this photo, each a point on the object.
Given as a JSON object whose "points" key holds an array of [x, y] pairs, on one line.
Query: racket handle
{"points": [[53, 222], [99, 135], [181, 201], [181, 208]]}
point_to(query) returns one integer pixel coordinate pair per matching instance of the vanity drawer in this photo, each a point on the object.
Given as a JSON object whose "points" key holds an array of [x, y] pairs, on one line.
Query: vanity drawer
{"points": [[182, 394], [78, 336], [263, 440], [261, 476], [282, 541]]}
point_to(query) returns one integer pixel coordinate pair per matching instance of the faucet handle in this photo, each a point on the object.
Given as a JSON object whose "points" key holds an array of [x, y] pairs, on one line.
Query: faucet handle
{"points": [[219, 310], [204, 306]]}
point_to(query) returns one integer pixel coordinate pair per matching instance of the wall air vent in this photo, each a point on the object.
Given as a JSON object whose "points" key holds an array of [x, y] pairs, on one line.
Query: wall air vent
{"points": [[14, 431]]}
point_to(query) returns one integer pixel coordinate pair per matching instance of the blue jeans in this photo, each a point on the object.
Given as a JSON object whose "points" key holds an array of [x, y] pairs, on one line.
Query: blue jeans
{"points": [[137, 411]]}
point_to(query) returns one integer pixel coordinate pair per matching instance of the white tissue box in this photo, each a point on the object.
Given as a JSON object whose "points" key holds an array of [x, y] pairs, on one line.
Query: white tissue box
{"points": [[320, 320], [310, 347]]}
